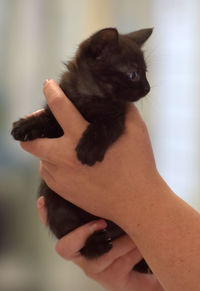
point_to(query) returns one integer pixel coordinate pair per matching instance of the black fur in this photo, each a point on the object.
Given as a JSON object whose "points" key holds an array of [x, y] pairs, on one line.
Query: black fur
{"points": [[107, 72]]}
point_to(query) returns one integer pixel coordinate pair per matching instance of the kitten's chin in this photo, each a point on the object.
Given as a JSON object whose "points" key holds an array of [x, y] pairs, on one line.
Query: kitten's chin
{"points": [[137, 96]]}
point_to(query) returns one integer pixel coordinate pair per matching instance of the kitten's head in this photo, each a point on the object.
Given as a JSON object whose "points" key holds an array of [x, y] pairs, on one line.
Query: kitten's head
{"points": [[116, 63]]}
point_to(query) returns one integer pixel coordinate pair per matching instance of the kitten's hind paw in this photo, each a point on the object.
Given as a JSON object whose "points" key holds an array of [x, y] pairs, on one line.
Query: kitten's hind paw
{"points": [[97, 244], [142, 267]]}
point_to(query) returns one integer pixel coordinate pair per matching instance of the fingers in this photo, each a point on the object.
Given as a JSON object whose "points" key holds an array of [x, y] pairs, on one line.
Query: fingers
{"points": [[124, 252], [64, 111], [68, 247], [128, 261]]}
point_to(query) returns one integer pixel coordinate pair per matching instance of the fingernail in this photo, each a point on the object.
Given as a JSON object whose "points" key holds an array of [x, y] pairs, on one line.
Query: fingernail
{"points": [[46, 81], [38, 111], [40, 202], [97, 225]]}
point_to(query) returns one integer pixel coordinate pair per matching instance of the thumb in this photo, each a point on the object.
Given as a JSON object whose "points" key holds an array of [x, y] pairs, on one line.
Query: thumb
{"points": [[63, 110]]}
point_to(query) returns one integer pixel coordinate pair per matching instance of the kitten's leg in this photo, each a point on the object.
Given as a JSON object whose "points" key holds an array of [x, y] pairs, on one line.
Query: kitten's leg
{"points": [[97, 138], [101, 241], [62, 215], [36, 126], [142, 267]]}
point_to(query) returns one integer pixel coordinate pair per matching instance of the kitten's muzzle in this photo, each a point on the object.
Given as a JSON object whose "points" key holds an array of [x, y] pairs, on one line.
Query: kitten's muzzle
{"points": [[146, 88], [142, 92]]}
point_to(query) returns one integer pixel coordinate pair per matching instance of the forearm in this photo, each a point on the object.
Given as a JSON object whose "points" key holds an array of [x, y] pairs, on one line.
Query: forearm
{"points": [[167, 232]]}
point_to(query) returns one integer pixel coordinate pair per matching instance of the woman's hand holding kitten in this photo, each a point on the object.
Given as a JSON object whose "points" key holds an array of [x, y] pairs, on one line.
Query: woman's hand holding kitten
{"points": [[106, 185], [113, 270]]}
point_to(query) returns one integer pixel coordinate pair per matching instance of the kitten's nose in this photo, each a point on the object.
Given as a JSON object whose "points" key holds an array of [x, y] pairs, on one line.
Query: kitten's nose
{"points": [[146, 88]]}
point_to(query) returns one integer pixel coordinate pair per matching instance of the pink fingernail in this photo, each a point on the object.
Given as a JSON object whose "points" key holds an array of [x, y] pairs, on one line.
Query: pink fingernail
{"points": [[46, 81], [39, 110], [97, 225], [40, 202]]}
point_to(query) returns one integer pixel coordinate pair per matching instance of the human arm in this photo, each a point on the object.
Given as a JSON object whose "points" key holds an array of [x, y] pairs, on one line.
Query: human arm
{"points": [[127, 189]]}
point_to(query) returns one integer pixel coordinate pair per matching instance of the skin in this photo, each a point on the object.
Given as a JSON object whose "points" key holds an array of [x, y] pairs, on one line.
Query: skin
{"points": [[114, 270], [125, 188]]}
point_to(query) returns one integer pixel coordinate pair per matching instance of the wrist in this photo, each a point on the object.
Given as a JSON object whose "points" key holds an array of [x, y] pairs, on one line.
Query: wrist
{"points": [[164, 227], [135, 199]]}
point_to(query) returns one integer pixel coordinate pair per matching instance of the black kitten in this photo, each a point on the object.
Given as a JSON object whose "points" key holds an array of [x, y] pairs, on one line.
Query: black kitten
{"points": [[107, 72]]}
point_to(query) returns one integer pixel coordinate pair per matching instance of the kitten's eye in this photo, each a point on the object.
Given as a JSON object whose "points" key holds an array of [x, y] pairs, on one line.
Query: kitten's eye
{"points": [[134, 76]]}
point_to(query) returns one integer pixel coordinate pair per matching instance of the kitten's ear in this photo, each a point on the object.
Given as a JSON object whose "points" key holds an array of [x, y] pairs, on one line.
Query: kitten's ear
{"points": [[104, 42], [140, 36]]}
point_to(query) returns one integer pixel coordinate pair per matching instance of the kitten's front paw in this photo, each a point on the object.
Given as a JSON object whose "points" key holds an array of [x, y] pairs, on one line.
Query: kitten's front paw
{"points": [[97, 244], [89, 153], [24, 130]]}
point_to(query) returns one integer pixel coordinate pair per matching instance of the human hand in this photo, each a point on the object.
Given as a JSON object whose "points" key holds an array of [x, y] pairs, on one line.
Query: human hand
{"points": [[127, 170], [113, 270]]}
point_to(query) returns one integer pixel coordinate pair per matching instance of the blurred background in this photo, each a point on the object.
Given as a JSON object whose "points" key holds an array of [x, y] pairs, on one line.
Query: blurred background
{"points": [[36, 36]]}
